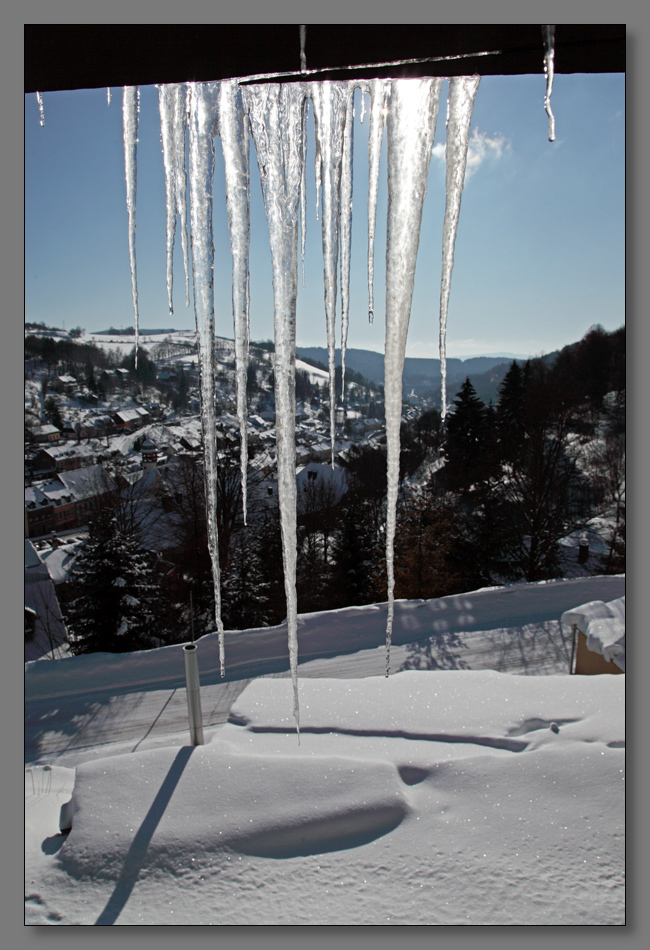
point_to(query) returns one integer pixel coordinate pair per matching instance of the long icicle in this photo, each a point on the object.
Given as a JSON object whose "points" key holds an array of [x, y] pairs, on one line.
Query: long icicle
{"points": [[329, 102], [277, 113], [346, 228], [166, 109], [234, 134], [462, 92], [130, 110], [411, 129], [303, 191], [202, 131], [181, 121], [379, 93]]}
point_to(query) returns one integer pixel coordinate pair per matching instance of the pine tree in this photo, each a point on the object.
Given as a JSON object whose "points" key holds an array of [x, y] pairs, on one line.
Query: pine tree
{"points": [[466, 444], [358, 569], [115, 602], [510, 411], [245, 591]]}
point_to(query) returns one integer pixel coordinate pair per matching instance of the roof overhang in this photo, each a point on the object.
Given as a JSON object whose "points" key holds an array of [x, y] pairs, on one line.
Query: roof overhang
{"points": [[73, 56]]}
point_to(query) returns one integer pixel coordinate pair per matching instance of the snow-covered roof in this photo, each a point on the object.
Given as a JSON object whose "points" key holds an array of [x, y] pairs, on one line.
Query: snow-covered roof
{"points": [[58, 493], [67, 451], [32, 557], [34, 497], [603, 624], [129, 415], [87, 482]]}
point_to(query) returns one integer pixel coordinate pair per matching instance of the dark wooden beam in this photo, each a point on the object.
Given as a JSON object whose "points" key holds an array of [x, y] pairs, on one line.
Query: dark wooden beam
{"points": [[85, 57]]}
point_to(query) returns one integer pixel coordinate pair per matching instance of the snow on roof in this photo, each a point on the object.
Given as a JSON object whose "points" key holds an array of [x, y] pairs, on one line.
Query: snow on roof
{"points": [[58, 493], [67, 451], [34, 497], [603, 624], [128, 415], [87, 482], [32, 557]]}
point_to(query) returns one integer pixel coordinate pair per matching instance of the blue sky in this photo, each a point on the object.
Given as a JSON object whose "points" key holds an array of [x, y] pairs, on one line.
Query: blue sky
{"points": [[540, 253]]}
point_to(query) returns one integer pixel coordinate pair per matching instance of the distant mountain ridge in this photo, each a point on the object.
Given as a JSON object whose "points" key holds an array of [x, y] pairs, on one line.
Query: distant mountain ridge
{"points": [[420, 374]]}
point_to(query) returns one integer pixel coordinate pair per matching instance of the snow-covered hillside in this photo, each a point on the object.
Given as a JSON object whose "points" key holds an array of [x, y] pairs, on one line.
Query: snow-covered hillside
{"points": [[463, 789]]}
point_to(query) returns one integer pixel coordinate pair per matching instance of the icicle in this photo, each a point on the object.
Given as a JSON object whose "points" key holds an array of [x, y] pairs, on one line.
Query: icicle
{"points": [[318, 163], [462, 92], [166, 109], [329, 102], [303, 190], [362, 114], [202, 129], [379, 93], [411, 130], [277, 113], [346, 227], [303, 56], [41, 111], [181, 120], [130, 110], [234, 132], [108, 95], [548, 33]]}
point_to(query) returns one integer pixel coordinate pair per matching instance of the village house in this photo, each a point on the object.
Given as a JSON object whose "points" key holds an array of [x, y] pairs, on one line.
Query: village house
{"points": [[64, 513], [66, 501], [62, 458], [128, 420], [39, 513], [47, 433], [65, 384]]}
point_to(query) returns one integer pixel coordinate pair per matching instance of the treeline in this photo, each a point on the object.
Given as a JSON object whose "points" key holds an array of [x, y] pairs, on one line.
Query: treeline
{"points": [[85, 361]]}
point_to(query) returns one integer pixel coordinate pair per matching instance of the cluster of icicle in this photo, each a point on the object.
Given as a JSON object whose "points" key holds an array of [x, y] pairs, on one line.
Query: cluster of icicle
{"points": [[275, 114]]}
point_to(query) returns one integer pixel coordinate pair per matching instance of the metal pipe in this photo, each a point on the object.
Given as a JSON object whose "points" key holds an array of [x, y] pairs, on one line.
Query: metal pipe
{"points": [[193, 688], [573, 647]]}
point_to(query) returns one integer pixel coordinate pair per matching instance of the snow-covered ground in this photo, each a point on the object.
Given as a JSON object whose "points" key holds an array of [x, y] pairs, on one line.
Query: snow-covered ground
{"points": [[478, 784]]}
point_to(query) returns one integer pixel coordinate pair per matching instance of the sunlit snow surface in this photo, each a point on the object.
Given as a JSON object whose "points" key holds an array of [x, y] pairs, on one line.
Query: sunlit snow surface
{"points": [[438, 796]]}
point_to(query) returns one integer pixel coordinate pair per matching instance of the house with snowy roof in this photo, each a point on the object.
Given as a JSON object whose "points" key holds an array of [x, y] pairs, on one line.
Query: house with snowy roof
{"points": [[88, 486], [63, 458], [128, 420], [47, 433], [39, 512], [66, 501], [65, 384]]}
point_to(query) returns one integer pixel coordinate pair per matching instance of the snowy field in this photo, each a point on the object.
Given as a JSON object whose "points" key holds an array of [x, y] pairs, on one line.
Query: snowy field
{"points": [[479, 784]]}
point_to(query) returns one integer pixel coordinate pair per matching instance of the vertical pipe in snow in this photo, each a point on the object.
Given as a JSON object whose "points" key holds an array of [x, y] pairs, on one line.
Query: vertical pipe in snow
{"points": [[193, 689]]}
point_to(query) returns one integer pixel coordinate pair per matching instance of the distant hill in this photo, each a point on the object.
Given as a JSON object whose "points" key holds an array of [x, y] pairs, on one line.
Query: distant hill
{"points": [[421, 376]]}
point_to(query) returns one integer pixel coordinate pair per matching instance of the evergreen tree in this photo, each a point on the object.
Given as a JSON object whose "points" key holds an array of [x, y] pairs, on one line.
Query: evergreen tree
{"points": [[52, 412], [91, 382], [358, 560], [245, 591], [466, 443], [428, 529], [510, 411], [115, 604], [544, 492]]}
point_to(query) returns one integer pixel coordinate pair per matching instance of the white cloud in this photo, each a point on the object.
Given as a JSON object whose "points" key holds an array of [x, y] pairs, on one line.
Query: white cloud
{"points": [[481, 147]]}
